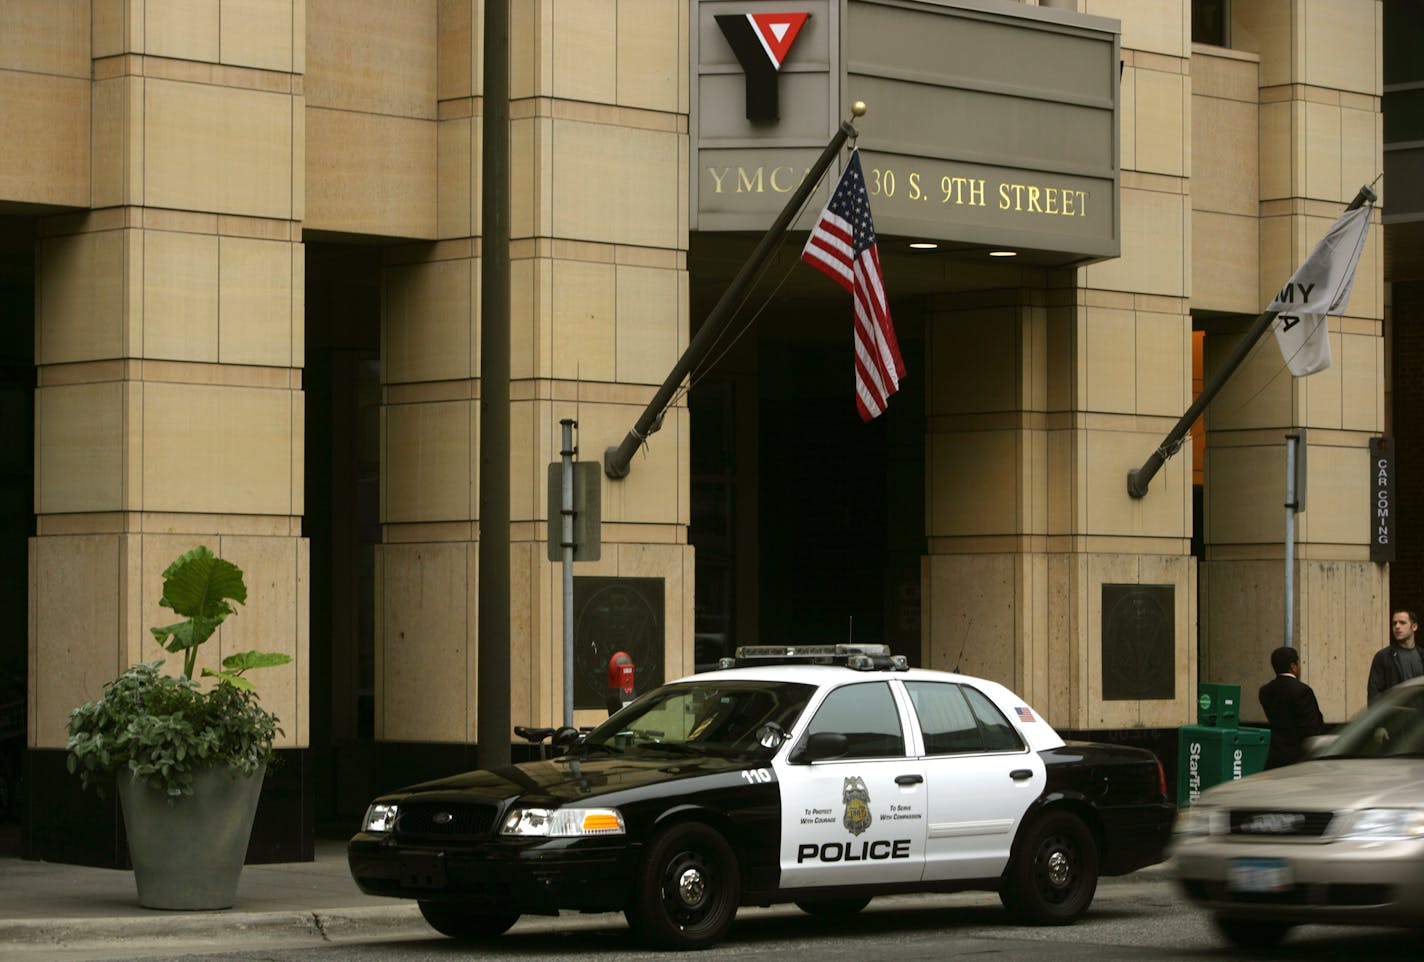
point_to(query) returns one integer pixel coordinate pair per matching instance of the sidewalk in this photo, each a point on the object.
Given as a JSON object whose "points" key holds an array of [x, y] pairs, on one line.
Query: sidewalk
{"points": [[54, 911]]}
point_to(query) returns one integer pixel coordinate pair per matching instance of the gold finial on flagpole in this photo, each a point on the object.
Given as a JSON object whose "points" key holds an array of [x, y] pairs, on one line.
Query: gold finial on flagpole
{"points": [[858, 108]]}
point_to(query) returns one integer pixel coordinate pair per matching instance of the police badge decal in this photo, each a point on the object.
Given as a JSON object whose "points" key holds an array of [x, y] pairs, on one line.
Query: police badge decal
{"points": [[857, 805]]}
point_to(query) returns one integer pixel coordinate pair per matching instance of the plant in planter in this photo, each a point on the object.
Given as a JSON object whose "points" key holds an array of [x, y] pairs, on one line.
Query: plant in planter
{"points": [[188, 761]]}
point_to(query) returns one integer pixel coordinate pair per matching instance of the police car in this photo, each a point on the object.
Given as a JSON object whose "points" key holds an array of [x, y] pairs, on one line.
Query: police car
{"points": [[819, 775]]}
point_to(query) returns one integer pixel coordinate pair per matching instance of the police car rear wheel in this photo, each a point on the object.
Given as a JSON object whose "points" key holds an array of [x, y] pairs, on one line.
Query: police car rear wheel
{"points": [[689, 889], [832, 908], [467, 922], [1053, 876]]}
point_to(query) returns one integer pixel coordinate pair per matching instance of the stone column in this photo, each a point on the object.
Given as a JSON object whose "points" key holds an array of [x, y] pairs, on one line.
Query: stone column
{"points": [[1044, 391], [1320, 139], [598, 203], [599, 292], [169, 340]]}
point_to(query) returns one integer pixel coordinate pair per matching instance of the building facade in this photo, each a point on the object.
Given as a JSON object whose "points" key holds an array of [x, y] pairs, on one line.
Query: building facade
{"points": [[271, 213]]}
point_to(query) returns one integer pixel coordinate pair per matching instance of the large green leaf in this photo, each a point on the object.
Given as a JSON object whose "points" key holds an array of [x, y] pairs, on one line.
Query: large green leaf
{"points": [[180, 633], [243, 660], [234, 665], [237, 681], [198, 584]]}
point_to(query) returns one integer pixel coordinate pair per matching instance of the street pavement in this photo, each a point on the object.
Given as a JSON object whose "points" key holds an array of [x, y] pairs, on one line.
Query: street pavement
{"points": [[50, 912]]}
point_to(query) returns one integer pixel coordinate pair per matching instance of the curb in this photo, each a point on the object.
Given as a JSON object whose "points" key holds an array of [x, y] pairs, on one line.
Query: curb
{"points": [[318, 925]]}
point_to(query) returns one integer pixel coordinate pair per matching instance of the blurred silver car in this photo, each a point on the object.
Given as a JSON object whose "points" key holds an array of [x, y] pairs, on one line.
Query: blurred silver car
{"points": [[1338, 838]]}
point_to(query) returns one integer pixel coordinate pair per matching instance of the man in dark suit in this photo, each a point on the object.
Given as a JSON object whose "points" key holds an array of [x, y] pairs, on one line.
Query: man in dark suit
{"points": [[1290, 708]]}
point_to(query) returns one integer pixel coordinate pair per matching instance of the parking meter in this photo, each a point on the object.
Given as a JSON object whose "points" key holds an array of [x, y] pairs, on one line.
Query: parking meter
{"points": [[620, 680]]}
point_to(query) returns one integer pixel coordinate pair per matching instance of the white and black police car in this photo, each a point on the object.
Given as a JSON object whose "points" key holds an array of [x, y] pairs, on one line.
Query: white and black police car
{"points": [[819, 775]]}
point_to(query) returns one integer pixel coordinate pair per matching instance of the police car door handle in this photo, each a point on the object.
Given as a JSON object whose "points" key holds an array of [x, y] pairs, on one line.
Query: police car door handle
{"points": [[909, 779], [1019, 774]]}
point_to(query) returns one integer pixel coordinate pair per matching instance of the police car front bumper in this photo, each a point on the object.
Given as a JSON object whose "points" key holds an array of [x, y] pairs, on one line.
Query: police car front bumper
{"points": [[532, 876]]}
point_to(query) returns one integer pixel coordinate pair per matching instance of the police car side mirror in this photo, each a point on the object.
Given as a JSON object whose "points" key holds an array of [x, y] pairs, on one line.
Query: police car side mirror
{"points": [[564, 739], [770, 735], [821, 745]]}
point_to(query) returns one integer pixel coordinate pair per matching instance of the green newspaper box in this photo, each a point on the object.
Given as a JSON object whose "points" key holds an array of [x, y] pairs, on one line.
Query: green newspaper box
{"points": [[1218, 706], [1208, 756]]}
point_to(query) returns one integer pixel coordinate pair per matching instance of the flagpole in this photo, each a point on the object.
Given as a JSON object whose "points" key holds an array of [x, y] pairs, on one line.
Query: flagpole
{"points": [[616, 459], [1139, 478]]}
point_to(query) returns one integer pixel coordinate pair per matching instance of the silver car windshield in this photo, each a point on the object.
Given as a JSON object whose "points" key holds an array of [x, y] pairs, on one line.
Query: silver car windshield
{"points": [[729, 718], [1392, 727]]}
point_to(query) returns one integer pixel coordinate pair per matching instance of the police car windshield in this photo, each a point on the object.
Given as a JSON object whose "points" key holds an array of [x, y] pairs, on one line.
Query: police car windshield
{"points": [[726, 718]]}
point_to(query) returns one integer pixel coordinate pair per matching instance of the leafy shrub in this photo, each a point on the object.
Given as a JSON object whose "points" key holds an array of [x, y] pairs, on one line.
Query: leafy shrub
{"points": [[163, 728]]}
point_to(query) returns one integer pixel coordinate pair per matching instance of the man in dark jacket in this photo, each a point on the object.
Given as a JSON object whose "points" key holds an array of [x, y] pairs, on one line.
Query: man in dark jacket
{"points": [[1291, 709], [1400, 659]]}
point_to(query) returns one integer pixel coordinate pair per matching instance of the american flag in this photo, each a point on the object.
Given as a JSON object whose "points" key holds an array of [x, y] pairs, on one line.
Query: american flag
{"points": [[1024, 714], [842, 246]]}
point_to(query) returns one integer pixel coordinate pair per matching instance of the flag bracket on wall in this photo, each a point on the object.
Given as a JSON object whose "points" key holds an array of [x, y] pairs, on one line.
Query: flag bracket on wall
{"points": [[617, 459], [1319, 287]]}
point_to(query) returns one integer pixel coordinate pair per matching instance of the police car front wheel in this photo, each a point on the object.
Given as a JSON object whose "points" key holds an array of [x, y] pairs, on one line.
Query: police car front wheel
{"points": [[1053, 874], [689, 889], [469, 923]]}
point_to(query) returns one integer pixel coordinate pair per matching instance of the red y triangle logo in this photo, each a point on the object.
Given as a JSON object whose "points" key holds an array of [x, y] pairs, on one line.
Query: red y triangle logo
{"points": [[777, 32]]}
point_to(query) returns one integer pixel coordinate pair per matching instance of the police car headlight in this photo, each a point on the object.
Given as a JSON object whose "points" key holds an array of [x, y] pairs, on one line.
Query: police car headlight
{"points": [[563, 822], [380, 818], [1382, 823], [1200, 821]]}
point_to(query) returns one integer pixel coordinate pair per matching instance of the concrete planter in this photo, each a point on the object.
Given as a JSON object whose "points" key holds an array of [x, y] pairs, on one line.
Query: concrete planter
{"points": [[189, 855]]}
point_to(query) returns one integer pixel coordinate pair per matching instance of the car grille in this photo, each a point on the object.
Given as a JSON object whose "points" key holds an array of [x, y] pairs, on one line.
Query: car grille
{"points": [[1271, 822], [437, 821]]}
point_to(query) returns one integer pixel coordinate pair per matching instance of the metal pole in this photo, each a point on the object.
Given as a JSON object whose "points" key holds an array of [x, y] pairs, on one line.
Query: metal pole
{"points": [[1292, 440], [566, 541], [616, 459], [492, 682], [1139, 478]]}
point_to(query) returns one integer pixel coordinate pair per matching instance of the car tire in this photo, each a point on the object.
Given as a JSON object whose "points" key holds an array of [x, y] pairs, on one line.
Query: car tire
{"points": [[832, 908], [1251, 933], [1053, 873], [466, 922], [688, 890]]}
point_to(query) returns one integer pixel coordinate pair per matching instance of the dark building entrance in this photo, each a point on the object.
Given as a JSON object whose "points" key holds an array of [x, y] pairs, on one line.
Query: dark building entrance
{"points": [[342, 384], [17, 513], [808, 522]]}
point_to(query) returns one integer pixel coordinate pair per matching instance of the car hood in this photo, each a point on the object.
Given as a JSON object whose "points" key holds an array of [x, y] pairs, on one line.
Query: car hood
{"points": [[569, 779], [1327, 784]]}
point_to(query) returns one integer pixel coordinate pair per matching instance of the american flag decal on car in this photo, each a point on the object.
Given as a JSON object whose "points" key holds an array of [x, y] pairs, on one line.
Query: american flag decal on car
{"points": [[1024, 714]]}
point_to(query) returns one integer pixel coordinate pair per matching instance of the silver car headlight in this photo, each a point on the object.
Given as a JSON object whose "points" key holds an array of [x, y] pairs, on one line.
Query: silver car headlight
{"points": [[1382, 823], [380, 818], [1198, 821], [563, 822]]}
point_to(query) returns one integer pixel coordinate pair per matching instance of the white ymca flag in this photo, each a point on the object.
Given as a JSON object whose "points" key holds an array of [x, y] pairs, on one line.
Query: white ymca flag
{"points": [[1319, 288]]}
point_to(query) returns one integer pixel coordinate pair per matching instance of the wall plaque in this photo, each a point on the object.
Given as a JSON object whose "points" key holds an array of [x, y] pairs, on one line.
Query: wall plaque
{"points": [[1139, 642]]}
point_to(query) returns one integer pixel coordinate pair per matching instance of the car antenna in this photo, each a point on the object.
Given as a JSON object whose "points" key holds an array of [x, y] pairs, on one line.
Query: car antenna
{"points": [[959, 659]]}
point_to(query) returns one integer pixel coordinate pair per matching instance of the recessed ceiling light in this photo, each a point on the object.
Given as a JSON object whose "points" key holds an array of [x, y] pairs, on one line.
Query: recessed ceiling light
{"points": [[1003, 253], [924, 245]]}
